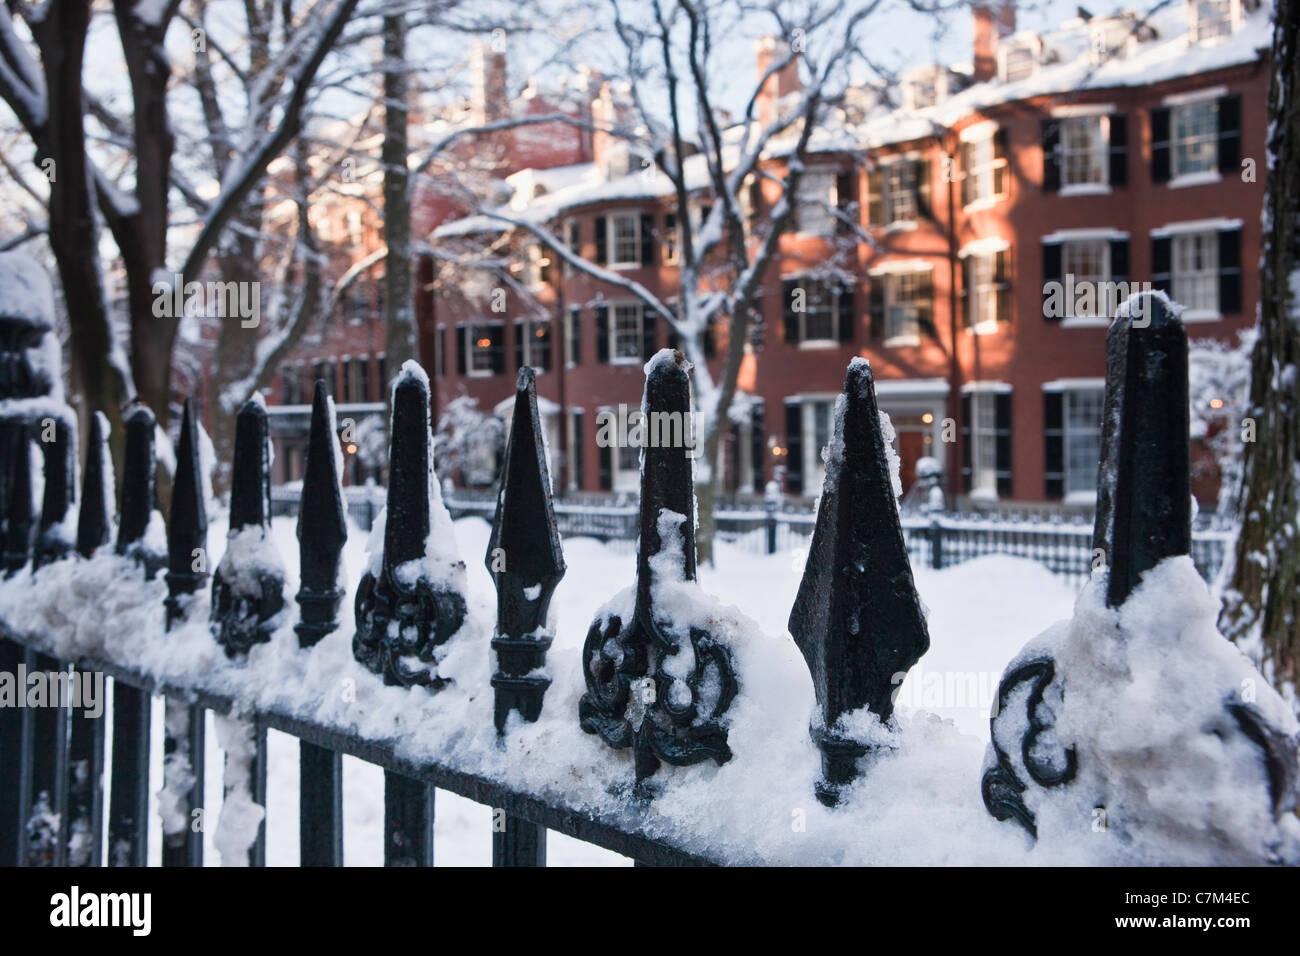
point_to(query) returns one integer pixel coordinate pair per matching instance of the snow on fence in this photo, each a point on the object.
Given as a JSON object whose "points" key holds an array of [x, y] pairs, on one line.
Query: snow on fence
{"points": [[681, 732]]}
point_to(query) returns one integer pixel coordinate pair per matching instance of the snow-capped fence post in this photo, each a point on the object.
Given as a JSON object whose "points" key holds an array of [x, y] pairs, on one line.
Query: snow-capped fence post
{"points": [[128, 803], [185, 738], [936, 544], [95, 514], [400, 612], [60, 466], [636, 696], [526, 564], [322, 532], [857, 618]]}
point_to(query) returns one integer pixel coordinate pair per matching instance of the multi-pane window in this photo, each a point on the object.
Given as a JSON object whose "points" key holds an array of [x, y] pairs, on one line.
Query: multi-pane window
{"points": [[1195, 137], [537, 265], [1083, 150], [1196, 271], [1088, 260], [1211, 19], [627, 468], [290, 385], [572, 331], [904, 293], [984, 435], [356, 383], [817, 417], [625, 334], [671, 239], [901, 192], [1082, 419], [534, 343], [818, 317], [480, 360], [1019, 63], [982, 285], [814, 214], [625, 240], [985, 169], [325, 371]]}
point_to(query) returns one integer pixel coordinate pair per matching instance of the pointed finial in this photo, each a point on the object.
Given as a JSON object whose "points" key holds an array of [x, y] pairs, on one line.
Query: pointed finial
{"points": [[60, 448], [18, 520], [1144, 489], [857, 618], [248, 586], [525, 561], [637, 694], [95, 519], [187, 531], [409, 608], [138, 489], [322, 526]]}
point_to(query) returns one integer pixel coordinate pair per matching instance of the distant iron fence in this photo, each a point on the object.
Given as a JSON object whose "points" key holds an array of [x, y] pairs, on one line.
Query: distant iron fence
{"points": [[933, 540]]}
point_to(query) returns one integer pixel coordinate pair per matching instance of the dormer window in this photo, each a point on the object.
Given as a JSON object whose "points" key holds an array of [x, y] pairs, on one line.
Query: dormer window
{"points": [[1210, 20], [1109, 39], [1017, 61]]}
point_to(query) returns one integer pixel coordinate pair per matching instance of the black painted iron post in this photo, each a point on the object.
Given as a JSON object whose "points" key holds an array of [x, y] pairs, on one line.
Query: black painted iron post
{"points": [[52, 542], [185, 739], [631, 701], [128, 805], [19, 514], [322, 532], [526, 564], [95, 517], [397, 618], [857, 618], [14, 765]]}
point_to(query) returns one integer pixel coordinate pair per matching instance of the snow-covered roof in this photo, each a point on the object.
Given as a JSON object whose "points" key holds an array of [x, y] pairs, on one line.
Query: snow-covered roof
{"points": [[1169, 56]]}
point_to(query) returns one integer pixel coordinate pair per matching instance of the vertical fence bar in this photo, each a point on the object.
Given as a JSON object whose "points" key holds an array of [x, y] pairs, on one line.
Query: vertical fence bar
{"points": [[47, 802], [128, 805], [322, 532], [408, 821], [13, 775], [185, 739], [518, 843]]}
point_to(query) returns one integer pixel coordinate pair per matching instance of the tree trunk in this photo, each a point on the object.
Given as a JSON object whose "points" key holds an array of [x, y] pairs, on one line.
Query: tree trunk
{"points": [[1262, 603], [399, 314]]}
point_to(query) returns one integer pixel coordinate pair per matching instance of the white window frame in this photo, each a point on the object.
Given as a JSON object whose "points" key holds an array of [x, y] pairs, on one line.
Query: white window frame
{"points": [[1178, 174], [572, 322], [814, 466], [1216, 29], [1099, 150], [535, 257], [614, 357], [611, 240], [1179, 276], [1071, 247], [895, 337], [524, 328], [901, 177], [984, 169], [984, 444], [471, 340], [979, 287], [1008, 50], [822, 201], [1084, 492], [833, 293]]}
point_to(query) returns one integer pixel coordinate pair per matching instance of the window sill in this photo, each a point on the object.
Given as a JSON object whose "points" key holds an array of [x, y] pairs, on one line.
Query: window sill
{"points": [[1080, 498], [1194, 179], [979, 205], [479, 374], [1085, 322], [813, 345], [624, 266], [902, 341], [902, 225], [1085, 189], [627, 361], [1201, 315], [983, 494], [989, 327]]}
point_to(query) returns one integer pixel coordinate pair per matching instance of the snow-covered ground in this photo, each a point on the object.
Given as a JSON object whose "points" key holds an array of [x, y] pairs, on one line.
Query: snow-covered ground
{"points": [[975, 629]]}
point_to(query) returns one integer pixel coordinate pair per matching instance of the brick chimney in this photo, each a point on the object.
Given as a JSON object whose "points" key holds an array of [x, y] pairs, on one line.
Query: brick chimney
{"points": [[781, 84], [488, 69], [992, 23]]}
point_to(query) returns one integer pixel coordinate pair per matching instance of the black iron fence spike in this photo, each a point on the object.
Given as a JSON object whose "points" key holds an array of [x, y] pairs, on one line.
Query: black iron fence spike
{"points": [[631, 701], [18, 523], [60, 492], [1144, 490], [857, 618], [137, 506], [95, 519], [322, 527], [525, 561], [187, 529], [400, 617], [245, 601]]}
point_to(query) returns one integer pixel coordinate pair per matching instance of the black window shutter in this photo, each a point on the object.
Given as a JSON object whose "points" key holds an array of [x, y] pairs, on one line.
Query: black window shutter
{"points": [[845, 306], [601, 250], [1229, 271], [1052, 272], [442, 359], [1054, 435], [1051, 158], [1118, 149], [965, 443], [461, 349], [1119, 260], [649, 334], [963, 295], [875, 197], [1160, 168], [544, 343], [1002, 447], [606, 468], [1229, 133], [793, 448], [1000, 152], [1162, 257], [757, 443], [519, 345], [575, 335], [876, 301], [602, 334], [647, 239], [497, 333], [575, 236], [791, 320], [844, 200], [1002, 276], [575, 453], [925, 306], [924, 208]]}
